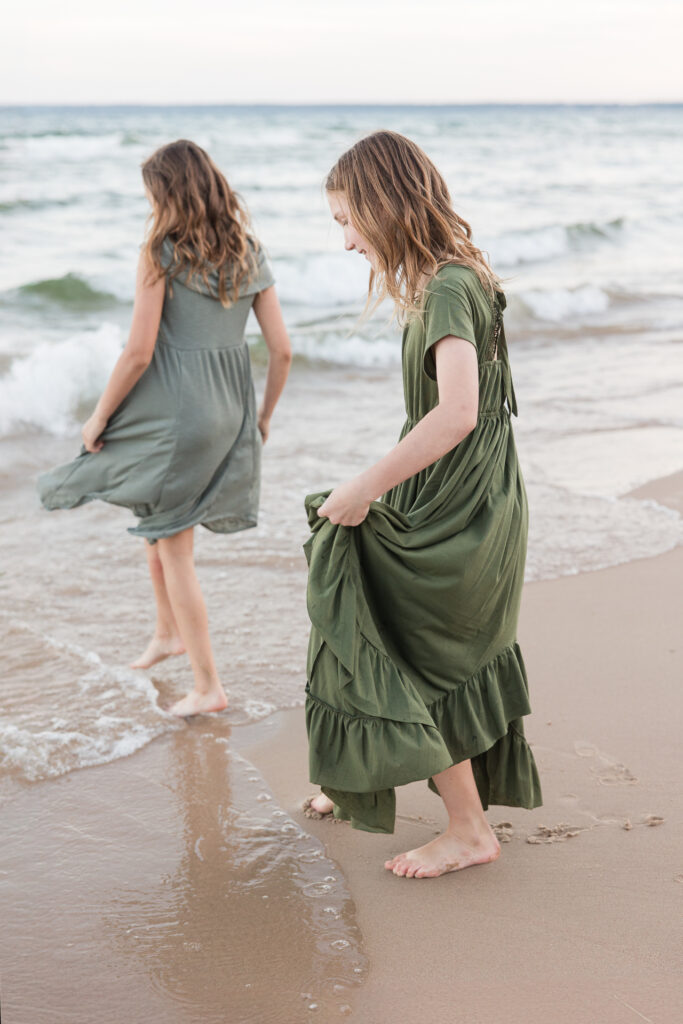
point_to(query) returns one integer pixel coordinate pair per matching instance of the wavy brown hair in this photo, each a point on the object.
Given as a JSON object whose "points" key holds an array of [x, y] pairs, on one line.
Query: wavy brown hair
{"points": [[207, 224], [400, 203]]}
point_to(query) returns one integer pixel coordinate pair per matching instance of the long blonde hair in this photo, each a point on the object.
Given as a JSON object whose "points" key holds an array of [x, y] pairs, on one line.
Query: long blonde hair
{"points": [[400, 203], [195, 208]]}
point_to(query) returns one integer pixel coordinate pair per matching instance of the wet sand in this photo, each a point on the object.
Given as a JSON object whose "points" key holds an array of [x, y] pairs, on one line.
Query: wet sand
{"points": [[148, 889], [170, 887]]}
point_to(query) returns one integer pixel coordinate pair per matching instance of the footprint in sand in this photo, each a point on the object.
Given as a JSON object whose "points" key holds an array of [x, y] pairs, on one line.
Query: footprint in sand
{"points": [[503, 831], [417, 819], [651, 820], [560, 833], [608, 770], [648, 820], [555, 833]]}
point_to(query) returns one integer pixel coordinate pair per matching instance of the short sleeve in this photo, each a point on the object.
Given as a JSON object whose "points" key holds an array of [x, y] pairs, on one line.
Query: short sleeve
{"points": [[449, 310], [264, 273], [166, 257]]}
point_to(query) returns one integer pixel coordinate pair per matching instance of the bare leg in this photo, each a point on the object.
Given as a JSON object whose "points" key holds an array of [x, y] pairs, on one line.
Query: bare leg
{"points": [[468, 839], [189, 609], [166, 640]]}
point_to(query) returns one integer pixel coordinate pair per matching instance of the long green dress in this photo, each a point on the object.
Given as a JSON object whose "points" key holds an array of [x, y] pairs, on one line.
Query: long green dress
{"points": [[413, 662], [183, 447]]}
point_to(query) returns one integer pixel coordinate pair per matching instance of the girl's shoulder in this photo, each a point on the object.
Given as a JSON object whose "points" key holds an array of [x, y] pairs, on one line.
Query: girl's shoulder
{"points": [[455, 272], [458, 276], [167, 253], [457, 282], [263, 273], [259, 278]]}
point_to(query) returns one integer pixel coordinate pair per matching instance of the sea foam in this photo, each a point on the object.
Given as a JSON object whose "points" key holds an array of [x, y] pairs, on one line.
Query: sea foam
{"points": [[45, 388], [322, 279], [106, 711], [557, 304]]}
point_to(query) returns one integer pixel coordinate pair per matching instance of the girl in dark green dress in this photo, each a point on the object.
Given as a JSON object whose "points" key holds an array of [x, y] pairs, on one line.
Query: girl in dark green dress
{"points": [[176, 436], [416, 565]]}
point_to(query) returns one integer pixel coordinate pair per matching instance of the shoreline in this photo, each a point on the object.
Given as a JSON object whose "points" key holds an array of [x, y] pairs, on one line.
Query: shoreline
{"points": [[571, 924], [665, 490]]}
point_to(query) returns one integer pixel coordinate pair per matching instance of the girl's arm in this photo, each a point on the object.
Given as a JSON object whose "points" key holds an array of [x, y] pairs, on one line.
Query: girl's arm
{"points": [[455, 416], [269, 316], [136, 356]]}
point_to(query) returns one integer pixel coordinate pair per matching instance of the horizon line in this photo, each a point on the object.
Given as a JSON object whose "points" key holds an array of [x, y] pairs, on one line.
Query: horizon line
{"points": [[341, 103]]}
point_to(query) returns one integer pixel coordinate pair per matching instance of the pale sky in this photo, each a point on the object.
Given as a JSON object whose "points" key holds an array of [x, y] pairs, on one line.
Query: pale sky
{"points": [[353, 51]]}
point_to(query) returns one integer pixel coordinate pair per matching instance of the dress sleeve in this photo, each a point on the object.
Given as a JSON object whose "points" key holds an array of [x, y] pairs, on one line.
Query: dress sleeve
{"points": [[166, 256], [264, 274], [448, 310]]}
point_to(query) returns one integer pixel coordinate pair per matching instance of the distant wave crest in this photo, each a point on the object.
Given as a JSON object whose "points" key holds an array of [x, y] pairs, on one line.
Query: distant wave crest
{"points": [[551, 241], [69, 290], [11, 206]]}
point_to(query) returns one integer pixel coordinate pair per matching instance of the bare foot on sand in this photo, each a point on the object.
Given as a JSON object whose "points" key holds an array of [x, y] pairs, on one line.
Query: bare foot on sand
{"points": [[320, 805], [449, 852], [157, 650], [200, 703]]}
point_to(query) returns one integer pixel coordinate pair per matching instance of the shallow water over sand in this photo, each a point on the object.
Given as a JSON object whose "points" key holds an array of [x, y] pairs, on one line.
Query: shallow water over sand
{"points": [[172, 889], [76, 604]]}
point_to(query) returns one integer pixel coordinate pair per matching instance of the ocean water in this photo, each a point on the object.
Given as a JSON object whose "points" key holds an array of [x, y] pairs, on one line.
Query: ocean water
{"points": [[581, 212]]}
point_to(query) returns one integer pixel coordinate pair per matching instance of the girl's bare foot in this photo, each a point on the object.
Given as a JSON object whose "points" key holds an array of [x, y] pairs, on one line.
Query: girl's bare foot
{"points": [[200, 703], [449, 852], [320, 805], [159, 648]]}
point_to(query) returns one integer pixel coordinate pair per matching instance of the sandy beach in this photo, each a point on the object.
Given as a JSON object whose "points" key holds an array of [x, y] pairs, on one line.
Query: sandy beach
{"points": [[147, 889]]}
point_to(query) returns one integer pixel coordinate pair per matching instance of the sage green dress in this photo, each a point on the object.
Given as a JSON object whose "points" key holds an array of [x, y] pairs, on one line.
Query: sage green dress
{"points": [[413, 661], [183, 448]]}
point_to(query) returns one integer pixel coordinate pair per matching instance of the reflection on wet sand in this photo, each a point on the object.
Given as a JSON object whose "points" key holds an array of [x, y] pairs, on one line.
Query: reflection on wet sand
{"points": [[177, 891]]}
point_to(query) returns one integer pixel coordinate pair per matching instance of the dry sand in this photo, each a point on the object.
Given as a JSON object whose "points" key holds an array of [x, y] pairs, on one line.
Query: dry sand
{"points": [[135, 891]]}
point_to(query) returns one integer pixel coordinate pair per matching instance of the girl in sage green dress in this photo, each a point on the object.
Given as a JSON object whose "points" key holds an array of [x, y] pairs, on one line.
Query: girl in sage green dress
{"points": [[414, 671], [176, 436]]}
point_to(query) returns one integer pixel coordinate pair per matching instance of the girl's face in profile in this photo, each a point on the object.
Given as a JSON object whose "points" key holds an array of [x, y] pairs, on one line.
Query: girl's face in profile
{"points": [[352, 238]]}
